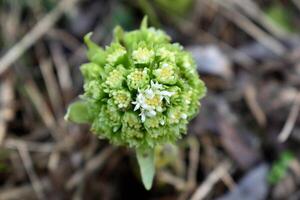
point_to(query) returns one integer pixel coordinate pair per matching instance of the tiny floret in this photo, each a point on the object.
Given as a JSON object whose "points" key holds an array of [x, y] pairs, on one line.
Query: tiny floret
{"points": [[166, 54], [116, 52], [115, 79], [138, 79], [121, 98], [166, 73], [141, 90], [142, 55]]}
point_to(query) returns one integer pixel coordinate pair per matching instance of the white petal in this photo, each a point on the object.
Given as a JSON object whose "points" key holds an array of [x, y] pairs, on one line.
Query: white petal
{"points": [[143, 117], [151, 113], [156, 86], [137, 106], [149, 92], [145, 106], [183, 116], [167, 93]]}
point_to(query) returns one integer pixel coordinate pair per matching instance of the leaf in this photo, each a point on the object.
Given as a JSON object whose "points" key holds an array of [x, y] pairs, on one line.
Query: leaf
{"points": [[78, 112], [147, 169], [144, 24], [281, 16], [95, 53], [280, 167], [175, 7], [118, 33]]}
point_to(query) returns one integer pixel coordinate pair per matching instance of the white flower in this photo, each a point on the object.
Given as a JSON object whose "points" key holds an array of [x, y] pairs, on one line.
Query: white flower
{"points": [[143, 116], [150, 101]]}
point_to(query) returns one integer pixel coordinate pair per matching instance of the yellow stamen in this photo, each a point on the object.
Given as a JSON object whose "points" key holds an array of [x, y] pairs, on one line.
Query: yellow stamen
{"points": [[154, 101]]}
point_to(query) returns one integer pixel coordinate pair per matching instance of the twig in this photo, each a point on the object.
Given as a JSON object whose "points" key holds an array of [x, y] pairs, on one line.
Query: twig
{"points": [[31, 146], [21, 192], [18, 192], [297, 3], [67, 39], [6, 105], [250, 28], [192, 168], [194, 161], [295, 166], [216, 175], [228, 181], [52, 87], [290, 122], [250, 97], [92, 165], [169, 178], [251, 9], [63, 70], [34, 34], [40, 105], [26, 159], [189, 28]]}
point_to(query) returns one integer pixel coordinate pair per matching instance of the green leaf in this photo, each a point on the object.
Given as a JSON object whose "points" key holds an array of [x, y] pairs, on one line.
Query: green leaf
{"points": [[281, 16], [78, 112], [280, 167], [144, 24], [175, 7], [118, 33], [146, 163], [95, 53]]}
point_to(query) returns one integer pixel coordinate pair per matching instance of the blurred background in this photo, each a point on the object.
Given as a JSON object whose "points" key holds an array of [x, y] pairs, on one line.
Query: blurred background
{"points": [[244, 144]]}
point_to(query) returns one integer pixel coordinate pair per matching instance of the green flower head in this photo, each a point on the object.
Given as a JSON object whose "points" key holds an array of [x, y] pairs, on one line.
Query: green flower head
{"points": [[140, 91]]}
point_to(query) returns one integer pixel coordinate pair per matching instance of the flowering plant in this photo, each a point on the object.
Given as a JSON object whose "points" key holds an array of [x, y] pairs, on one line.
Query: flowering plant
{"points": [[141, 91]]}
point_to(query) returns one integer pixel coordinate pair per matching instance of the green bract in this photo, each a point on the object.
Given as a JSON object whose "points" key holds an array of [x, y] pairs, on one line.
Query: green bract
{"points": [[141, 90]]}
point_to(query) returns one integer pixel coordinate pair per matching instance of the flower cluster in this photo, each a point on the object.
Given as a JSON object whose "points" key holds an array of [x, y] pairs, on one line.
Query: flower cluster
{"points": [[141, 90]]}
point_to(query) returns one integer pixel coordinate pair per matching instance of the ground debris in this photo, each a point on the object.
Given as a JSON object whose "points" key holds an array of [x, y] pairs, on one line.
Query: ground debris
{"points": [[253, 186]]}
